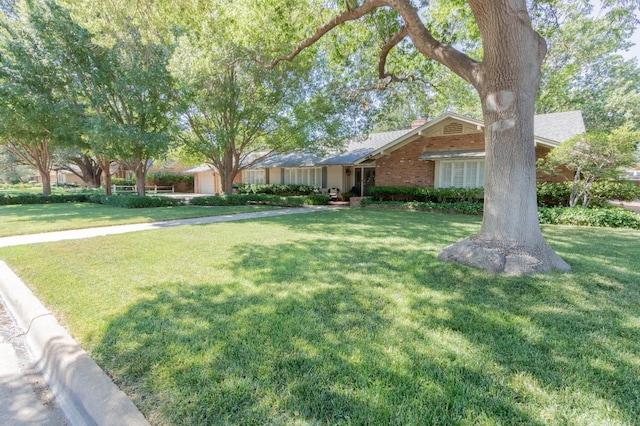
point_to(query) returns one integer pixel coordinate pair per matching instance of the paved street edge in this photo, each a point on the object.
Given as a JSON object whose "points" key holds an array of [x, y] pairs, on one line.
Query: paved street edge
{"points": [[85, 393]]}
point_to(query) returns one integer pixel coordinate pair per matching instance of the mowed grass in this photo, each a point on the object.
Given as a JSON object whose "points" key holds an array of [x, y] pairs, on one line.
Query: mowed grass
{"points": [[35, 218], [346, 317]]}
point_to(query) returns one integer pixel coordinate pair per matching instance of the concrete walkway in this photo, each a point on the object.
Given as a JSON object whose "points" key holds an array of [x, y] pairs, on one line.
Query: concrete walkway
{"points": [[45, 377], [77, 234]]}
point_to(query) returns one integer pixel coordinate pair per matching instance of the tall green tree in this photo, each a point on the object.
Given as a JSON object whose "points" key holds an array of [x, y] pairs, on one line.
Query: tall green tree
{"points": [[37, 113], [584, 70], [233, 111], [124, 89]]}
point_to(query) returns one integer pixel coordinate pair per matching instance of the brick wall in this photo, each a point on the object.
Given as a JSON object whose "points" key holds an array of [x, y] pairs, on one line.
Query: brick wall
{"points": [[402, 167]]}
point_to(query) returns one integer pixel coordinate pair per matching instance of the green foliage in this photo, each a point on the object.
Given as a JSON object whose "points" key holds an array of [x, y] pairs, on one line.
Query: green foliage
{"points": [[553, 194], [123, 181], [274, 189], [133, 201], [266, 199], [594, 157], [610, 217], [411, 193], [168, 179], [11, 199], [456, 207], [558, 194]]}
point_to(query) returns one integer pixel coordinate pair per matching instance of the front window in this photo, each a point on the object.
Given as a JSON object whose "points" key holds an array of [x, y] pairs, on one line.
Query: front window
{"points": [[311, 176], [254, 176], [460, 174]]}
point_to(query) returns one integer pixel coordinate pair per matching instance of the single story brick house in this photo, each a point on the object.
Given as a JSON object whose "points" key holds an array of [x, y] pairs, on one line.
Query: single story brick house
{"points": [[447, 151]]}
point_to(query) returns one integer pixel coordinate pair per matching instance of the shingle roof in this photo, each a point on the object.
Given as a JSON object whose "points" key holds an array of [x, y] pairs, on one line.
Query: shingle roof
{"points": [[555, 128], [354, 149], [558, 126]]}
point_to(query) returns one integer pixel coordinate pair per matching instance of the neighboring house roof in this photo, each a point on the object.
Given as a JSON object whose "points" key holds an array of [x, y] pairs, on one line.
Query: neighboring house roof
{"points": [[550, 130], [199, 169]]}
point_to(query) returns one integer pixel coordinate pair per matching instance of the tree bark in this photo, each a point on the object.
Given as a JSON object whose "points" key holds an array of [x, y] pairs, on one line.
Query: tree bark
{"points": [[510, 239], [141, 177], [46, 182]]}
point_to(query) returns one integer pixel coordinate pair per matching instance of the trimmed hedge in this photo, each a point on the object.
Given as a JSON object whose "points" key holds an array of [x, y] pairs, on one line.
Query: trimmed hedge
{"points": [[133, 201], [9, 199], [458, 207], [274, 189], [272, 200], [610, 217], [439, 195]]}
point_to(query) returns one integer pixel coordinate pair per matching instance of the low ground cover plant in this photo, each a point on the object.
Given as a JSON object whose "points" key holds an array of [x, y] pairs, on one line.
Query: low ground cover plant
{"points": [[346, 317]]}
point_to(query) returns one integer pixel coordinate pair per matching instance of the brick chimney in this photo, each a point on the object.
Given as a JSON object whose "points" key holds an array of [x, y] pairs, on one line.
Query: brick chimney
{"points": [[418, 122]]}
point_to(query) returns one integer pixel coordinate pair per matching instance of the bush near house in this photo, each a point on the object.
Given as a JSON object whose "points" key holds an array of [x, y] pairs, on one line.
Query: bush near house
{"points": [[274, 189], [557, 194], [273, 200], [414, 193]]}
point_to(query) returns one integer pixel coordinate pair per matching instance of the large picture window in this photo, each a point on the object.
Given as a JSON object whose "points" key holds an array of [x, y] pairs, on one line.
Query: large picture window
{"points": [[254, 176], [304, 176], [460, 174]]}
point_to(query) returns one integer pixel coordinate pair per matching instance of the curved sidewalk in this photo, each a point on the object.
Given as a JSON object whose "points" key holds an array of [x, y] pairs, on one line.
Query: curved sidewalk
{"points": [[77, 234], [86, 395]]}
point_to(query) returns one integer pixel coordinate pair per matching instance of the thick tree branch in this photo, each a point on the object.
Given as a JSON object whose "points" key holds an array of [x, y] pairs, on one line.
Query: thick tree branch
{"points": [[422, 39], [349, 15]]}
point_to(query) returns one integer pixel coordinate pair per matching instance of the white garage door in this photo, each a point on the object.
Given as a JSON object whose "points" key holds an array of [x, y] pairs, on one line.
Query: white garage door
{"points": [[207, 183]]}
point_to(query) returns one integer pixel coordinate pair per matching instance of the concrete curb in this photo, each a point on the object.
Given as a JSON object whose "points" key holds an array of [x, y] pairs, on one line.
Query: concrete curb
{"points": [[84, 392]]}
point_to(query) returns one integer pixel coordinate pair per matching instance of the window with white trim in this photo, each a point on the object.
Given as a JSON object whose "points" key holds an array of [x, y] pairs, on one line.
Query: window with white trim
{"points": [[254, 176], [460, 174], [311, 176]]}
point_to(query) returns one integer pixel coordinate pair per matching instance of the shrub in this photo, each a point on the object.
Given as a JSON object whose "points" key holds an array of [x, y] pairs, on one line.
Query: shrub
{"points": [[317, 200], [7, 199], [274, 189], [459, 207], [557, 194], [122, 181], [411, 193], [553, 194], [610, 217], [169, 179], [133, 201], [272, 200]]}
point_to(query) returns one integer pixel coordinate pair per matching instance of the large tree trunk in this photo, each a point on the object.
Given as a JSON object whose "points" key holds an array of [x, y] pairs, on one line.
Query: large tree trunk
{"points": [[105, 166], [46, 182], [510, 239], [141, 177]]}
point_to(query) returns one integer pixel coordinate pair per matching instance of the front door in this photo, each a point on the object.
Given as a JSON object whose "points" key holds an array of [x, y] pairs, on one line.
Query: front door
{"points": [[364, 178]]}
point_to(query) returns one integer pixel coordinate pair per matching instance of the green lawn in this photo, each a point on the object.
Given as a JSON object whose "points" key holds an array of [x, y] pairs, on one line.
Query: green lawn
{"points": [[346, 317], [35, 218]]}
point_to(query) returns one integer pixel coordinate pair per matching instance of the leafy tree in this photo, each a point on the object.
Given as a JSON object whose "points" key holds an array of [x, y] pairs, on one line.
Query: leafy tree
{"points": [[583, 70], [124, 90], [36, 112], [232, 111], [594, 157]]}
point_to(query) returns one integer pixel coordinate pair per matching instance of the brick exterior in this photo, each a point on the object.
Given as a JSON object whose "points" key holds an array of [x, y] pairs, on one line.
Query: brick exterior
{"points": [[402, 167]]}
